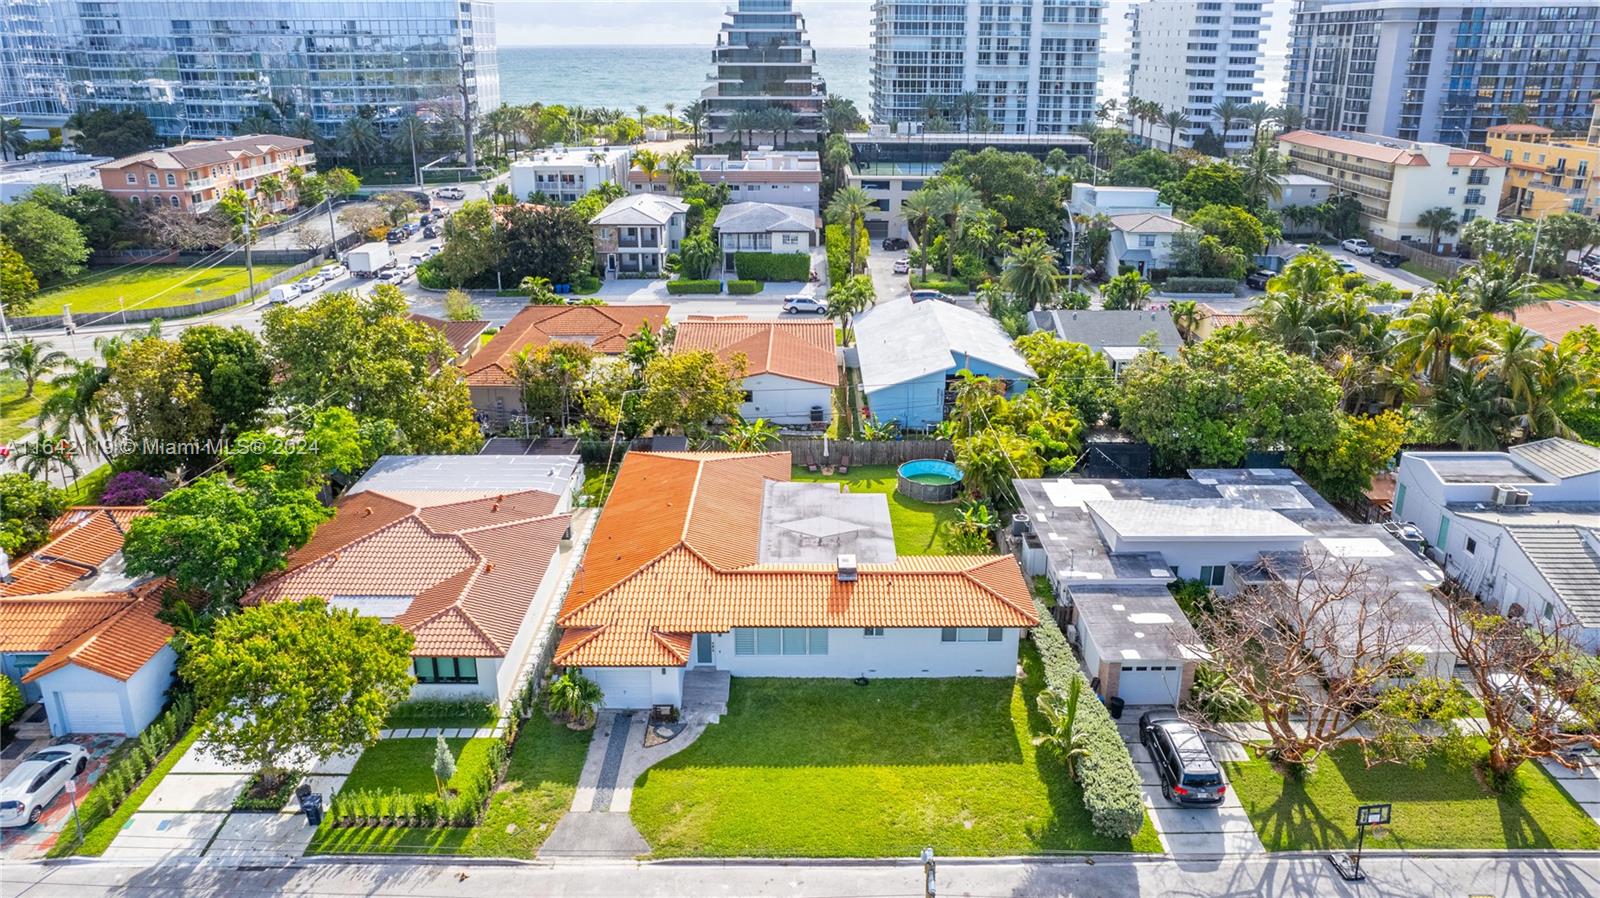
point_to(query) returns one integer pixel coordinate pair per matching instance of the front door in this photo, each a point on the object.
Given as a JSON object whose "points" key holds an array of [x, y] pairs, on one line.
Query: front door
{"points": [[702, 649]]}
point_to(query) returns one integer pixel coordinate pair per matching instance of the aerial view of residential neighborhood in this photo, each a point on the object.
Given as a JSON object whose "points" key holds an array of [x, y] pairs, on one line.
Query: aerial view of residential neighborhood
{"points": [[817, 448]]}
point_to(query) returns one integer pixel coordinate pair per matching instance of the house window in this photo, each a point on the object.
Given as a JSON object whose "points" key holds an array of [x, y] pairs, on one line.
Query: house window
{"points": [[872, 631], [133, 178], [791, 239], [970, 634], [780, 641], [1472, 546], [445, 670], [175, 201], [153, 181], [1549, 611], [134, 200], [1147, 241], [1211, 574], [1399, 501], [172, 180]]}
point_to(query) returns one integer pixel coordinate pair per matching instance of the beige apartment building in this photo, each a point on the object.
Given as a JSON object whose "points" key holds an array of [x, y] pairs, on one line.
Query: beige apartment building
{"points": [[1546, 173], [195, 175], [1396, 181]]}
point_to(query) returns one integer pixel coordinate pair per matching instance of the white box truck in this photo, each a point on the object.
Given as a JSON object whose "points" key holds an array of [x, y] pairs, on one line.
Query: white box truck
{"points": [[368, 259]]}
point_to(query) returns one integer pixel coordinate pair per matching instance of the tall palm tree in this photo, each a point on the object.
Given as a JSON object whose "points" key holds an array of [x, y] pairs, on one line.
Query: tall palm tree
{"points": [[1174, 120], [648, 163], [1227, 112], [12, 139], [672, 122], [932, 108], [1263, 172], [849, 206], [967, 105], [919, 210], [1186, 318], [694, 115], [1468, 409], [1434, 329], [1497, 285], [357, 137], [1288, 117], [1557, 380], [1030, 274], [78, 402], [1511, 357], [678, 166], [1439, 220], [642, 110], [1135, 112], [742, 123], [779, 119], [1291, 318], [1257, 114], [957, 201], [31, 362], [839, 114]]}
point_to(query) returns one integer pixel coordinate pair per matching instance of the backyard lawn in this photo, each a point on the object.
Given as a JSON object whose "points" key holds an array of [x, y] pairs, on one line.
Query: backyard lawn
{"points": [[537, 791], [826, 768], [152, 286], [918, 526], [16, 413], [1436, 805]]}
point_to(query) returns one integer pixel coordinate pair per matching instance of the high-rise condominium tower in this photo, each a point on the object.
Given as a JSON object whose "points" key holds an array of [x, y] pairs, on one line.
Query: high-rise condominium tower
{"points": [[197, 67], [1441, 71], [763, 60], [1020, 67], [1194, 56]]}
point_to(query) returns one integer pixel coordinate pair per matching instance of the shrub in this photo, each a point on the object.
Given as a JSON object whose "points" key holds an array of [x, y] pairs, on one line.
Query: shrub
{"points": [[133, 488], [680, 287], [586, 284], [773, 266], [1110, 783], [428, 275], [744, 288], [574, 697], [948, 286], [837, 240], [1199, 285], [11, 703]]}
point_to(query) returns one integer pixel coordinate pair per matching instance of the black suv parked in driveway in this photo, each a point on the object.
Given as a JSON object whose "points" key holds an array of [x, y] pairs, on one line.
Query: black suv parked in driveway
{"points": [[1189, 775], [894, 243]]}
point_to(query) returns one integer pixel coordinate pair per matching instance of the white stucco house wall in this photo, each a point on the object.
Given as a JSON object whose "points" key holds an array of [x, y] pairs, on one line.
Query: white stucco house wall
{"points": [[764, 228], [792, 366], [565, 174]]}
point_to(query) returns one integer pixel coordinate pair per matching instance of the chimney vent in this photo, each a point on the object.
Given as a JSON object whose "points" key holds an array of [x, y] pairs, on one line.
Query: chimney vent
{"points": [[847, 568]]}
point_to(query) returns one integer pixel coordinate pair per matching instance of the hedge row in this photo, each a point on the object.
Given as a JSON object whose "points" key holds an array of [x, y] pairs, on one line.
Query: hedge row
{"points": [[744, 288], [773, 266], [466, 807], [680, 287], [1199, 285], [837, 239], [140, 757], [1110, 783], [947, 286]]}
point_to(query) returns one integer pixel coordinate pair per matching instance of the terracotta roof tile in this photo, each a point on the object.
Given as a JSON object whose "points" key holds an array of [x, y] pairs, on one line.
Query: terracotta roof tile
{"points": [[82, 539], [114, 633], [461, 335], [675, 553], [1474, 159], [1557, 318], [802, 350], [471, 567], [604, 329], [1376, 152]]}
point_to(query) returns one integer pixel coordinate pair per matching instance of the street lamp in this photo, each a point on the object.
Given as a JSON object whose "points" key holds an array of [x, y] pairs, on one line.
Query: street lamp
{"points": [[411, 132]]}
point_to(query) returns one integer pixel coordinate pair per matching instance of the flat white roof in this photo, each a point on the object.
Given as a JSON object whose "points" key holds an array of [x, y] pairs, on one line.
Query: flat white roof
{"points": [[1139, 519]]}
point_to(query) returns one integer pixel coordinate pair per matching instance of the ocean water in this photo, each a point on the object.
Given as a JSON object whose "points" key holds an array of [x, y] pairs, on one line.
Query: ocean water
{"points": [[624, 77]]}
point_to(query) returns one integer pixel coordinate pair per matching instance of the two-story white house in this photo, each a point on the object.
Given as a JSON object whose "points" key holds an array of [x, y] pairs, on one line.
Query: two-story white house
{"points": [[1142, 227], [1520, 529], [785, 177], [564, 174], [634, 234], [764, 228]]}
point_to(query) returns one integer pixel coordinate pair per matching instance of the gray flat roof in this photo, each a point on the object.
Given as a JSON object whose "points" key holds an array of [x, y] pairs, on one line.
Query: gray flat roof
{"points": [[482, 474], [815, 523], [1135, 623], [1479, 468], [1563, 458]]}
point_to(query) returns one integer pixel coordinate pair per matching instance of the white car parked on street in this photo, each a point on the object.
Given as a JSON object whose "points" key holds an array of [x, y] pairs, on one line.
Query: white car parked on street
{"points": [[1357, 246], [797, 304], [37, 780]]}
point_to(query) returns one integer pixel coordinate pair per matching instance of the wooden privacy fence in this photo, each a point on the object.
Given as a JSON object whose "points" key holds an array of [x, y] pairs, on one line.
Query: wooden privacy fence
{"points": [[1444, 266], [813, 451]]}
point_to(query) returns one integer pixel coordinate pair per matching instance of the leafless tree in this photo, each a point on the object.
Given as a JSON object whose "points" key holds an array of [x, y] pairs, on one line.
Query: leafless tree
{"points": [[309, 237], [1540, 693], [365, 218], [1311, 647], [182, 230]]}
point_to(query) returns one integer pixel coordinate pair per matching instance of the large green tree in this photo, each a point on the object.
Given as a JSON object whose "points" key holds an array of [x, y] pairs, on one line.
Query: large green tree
{"points": [[101, 218], [155, 393], [1342, 470], [552, 243], [1071, 373], [473, 243], [1016, 185], [1223, 397], [219, 535], [18, 286], [363, 353], [27, 506], [50, 243], [1233, 226], [112, 132], [1216, 183], [291, 682], [235, 379], [687, 391]]}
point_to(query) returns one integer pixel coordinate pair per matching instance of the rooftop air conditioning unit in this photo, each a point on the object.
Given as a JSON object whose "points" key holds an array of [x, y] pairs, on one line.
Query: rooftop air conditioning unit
{"points": [[1520, 496], [1506, 495], [847, 568]]}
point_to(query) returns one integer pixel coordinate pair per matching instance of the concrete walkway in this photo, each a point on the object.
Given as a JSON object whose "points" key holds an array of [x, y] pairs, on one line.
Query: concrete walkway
{"points": [[1582, 784], [1191, 832]]}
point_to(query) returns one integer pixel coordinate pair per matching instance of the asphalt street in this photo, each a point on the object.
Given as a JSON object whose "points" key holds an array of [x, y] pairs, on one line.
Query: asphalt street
{"points": [[1546, 875]]}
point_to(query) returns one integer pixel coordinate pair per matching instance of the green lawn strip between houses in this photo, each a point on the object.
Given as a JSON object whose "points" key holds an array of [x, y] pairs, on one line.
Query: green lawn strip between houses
{"points": [[826, 768], [148, 286], [918, 526], [1437, 804], [537, 791]]}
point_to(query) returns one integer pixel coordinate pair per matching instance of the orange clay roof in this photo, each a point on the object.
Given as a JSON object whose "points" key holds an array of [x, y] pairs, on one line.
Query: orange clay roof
{"points": [[1557, 318], [1474, 159], [1376, 152], [802, 350], [1520, 129], [675, 550], [81, 540], [605, 329], [114, 633], [471, 567], [461, 335]]}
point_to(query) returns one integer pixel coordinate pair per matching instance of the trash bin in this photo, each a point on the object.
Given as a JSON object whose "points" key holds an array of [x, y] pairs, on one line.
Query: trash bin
{"points": [[1114, 705], [311, 804]]}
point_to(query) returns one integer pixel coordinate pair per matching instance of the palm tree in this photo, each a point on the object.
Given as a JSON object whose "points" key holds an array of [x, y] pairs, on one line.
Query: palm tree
{"points": [[357, 137], [1186, 318], [1439, 220], [12, 140], [1030, 274], [1263, 172], [1496, 285], [779, 119], [42, 454], [1557, 380], [1291, 318], [1227, 112], [742, 123], [77, 402], [1257, 114], [1061, 725], [849, 206], [642, 110], [1289, 118], [672, 123], [648, 163], [304, 128], [1468, 409], [1174, 120], [932, 108], [749, 436], [30, 361], [967, 105], [1511, 356], [1434, 329], [1135, 110], [678, 166], [919, 210], [957, 201], [839, 114], [271, 187], [694, 115]]}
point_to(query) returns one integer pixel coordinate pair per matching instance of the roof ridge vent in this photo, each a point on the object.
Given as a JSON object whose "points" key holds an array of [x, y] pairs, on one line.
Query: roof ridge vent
{"points": [[847, 568]]}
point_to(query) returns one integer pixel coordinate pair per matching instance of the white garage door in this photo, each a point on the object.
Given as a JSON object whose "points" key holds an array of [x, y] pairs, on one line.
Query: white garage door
{"points": [[625, 687], [1150, 684], [91, 712]]}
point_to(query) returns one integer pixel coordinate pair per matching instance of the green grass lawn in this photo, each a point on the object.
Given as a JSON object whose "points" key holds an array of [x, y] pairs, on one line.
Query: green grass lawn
{"points": [[918, 526], [1436, 805], [1554, 290], [1421, 271], [151, 286], [825, 768], [16, 413], [406, 765], [538, 789]]}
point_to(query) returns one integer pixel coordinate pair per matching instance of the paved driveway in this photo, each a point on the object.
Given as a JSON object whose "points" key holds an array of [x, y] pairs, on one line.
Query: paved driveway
{"points": [[1189, 832], [28, 842]]}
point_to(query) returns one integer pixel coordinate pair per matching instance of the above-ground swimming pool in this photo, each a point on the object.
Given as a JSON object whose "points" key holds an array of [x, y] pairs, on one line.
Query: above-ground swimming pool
{"points": [[929, 480]]}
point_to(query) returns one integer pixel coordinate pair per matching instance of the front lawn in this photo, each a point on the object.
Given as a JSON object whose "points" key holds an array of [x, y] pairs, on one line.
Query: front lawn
{"points": [[1548, 291], [918, 526], [538, 789], [1421, 271], [826, 768], [17, 414], [406, 765], [1436, 805], [150, 286]]}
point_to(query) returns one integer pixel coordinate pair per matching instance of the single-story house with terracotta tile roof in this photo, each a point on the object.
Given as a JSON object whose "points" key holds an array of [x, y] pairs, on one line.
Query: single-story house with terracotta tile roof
{"points": [[791, 367], [463, 336], [716, 561], [100, 662], [84, 552], [469, 574], [491, 373]]}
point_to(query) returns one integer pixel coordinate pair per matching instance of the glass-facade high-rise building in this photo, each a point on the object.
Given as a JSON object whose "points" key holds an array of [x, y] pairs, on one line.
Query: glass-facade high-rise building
{"points": [[197, 67], [763, 59], [1013, 66], [1443, 71]]}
